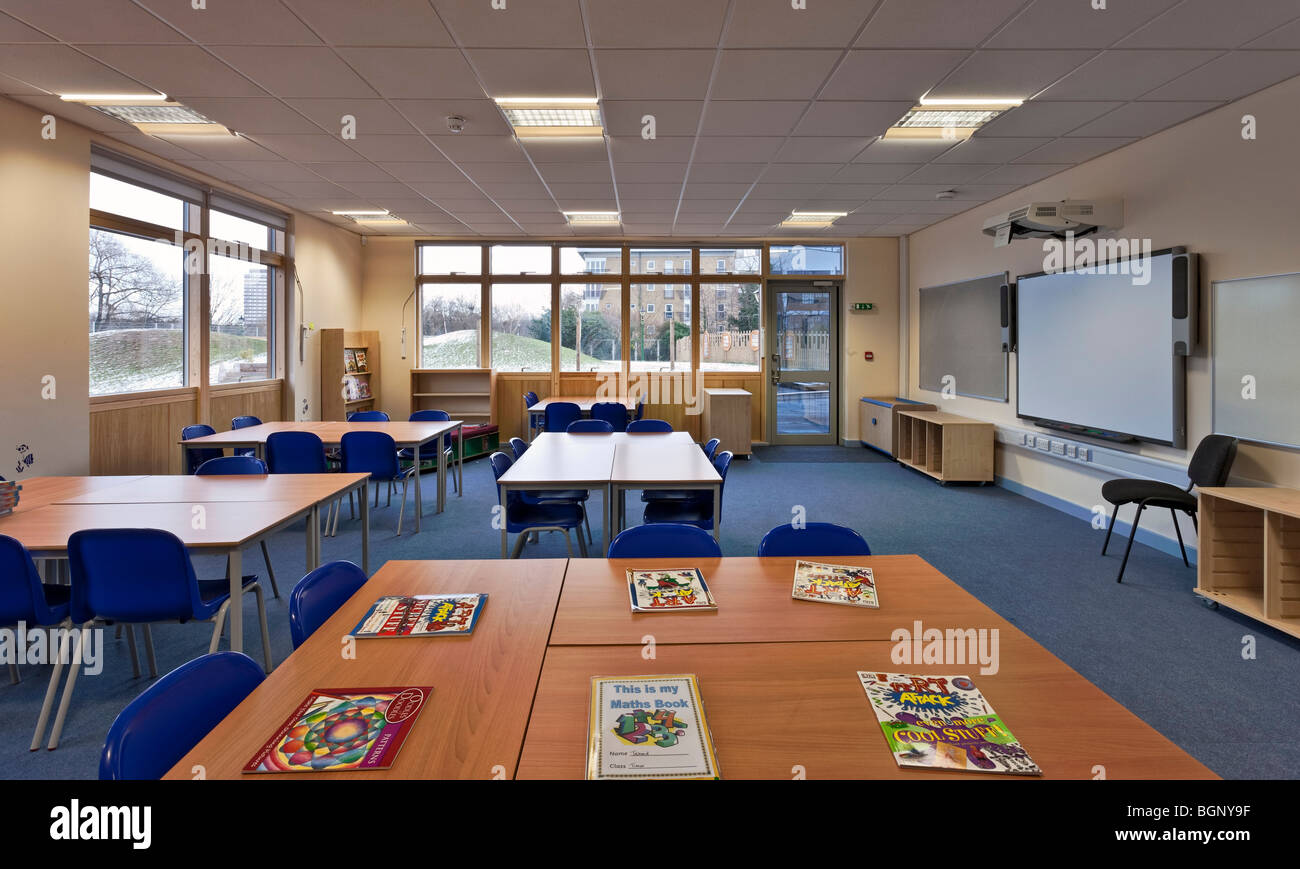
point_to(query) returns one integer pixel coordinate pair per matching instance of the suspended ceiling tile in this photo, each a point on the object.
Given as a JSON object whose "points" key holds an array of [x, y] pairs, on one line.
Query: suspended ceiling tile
{"points": [[655, 74], [534, 72], [226, 22], [413, 73], [778, 24], [102, 21], [772, 75], [345, 22], [293, 71], [932, 24], [636, 23], [890, 75]]}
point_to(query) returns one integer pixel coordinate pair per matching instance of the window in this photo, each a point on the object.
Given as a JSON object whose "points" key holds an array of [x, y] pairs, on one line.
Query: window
{"points": [[138, 203], [731, 260], [228, 227], [591, 339], [659, 341], [239, 318], [519, 259], [521, 326], [137, 314], [450, 319], [730, 327], [589, 260], [447, 259], [668, 267], [810, 259], [668, 291], [649, 265]]}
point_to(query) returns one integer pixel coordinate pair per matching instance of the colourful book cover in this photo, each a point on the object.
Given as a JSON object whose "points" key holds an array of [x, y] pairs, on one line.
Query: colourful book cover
{"points": [[421, 615], [943, 722], [350, 361], [673, 588], [361, 360], [834, 583], [648, 727], [342, 729]]}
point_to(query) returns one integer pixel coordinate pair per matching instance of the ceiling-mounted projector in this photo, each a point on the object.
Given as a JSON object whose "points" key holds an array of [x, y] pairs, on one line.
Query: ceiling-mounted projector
{"points": [[1055, 219]]}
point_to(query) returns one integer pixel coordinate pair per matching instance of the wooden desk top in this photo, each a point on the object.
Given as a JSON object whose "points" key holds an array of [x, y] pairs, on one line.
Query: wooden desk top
{"points": [[187, 488], [940, 417], [573, 460], [226, 523], [754, 603], [584, 402], [1275, 500], [483, 684], [728, 391], [661, 459], [41, 491], [772, 707], [331, 433]]}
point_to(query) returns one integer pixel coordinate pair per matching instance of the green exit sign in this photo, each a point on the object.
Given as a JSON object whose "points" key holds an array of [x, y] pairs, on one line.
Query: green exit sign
{"points": [[863, 306]]}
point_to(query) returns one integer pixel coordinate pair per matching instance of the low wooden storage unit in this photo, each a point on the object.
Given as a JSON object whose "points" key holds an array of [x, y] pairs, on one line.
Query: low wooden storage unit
{"points": [[465, 393], [878, 421], [948, 447], [726, 417], [1248, 553]]}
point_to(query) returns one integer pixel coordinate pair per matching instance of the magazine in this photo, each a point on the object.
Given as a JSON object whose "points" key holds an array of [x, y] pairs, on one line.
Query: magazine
{"points": [[421, 615], [673, 588], [943, 722], [834, 583]]}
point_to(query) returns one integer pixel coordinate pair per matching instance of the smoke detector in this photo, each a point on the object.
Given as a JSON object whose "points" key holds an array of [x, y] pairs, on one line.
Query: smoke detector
{"points": [[946, 194], [455, 123]]}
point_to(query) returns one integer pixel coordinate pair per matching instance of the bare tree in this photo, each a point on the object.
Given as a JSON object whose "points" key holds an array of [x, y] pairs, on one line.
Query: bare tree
{"points": [[124, 285]]}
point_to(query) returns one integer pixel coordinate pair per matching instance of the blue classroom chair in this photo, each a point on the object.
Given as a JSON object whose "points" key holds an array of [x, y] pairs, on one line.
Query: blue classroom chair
{"points": [[814, 540], [140, 576], [244, 422], [407, 454], [368, 416], [195, 456], [664, 541], [589, 426], [375, 453], [234, 466], [560, 414], [319, 594], [523, 517], [698, 510], [612, 412], [649, 426], [173, 715], [24, 598]]}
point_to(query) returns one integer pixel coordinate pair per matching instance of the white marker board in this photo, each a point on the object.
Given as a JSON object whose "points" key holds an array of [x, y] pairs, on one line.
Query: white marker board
{"points": [[961, 338], [1255, 347]]}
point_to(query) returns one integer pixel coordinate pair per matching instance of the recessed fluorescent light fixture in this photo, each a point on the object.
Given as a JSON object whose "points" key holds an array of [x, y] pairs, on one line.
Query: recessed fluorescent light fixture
{"points": [[547, 117], [813, 219], [152, 114], [592, 218], [955, 119], [373, 212], [371, 217]]}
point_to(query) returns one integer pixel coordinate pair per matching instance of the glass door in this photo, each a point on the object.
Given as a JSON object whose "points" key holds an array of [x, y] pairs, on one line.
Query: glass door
{"points": [[803, 360]]}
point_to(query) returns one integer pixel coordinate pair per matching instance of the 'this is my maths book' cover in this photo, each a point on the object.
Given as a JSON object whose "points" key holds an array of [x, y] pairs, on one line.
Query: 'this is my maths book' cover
{"points": [[342, 729], [673, 588], [421, 615], [834, 583], [648, 727], [943, 722]]}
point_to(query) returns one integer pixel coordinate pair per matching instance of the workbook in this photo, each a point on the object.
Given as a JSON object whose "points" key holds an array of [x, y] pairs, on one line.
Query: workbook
{"points": [[342, 729], [943, 722], [421, 615], [648, 727], [672, 588], [834, 583]]}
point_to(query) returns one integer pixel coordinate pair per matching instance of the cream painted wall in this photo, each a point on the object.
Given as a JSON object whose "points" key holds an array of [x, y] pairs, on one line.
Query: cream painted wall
{"points": [[1199, 184], [870, 275], [43, 236], [329, 264], [387, 278]]}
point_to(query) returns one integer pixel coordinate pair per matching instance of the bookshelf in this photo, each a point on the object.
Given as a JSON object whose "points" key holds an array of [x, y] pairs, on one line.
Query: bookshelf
{"points": [[946, 446], [336, 346], [465, 393]]}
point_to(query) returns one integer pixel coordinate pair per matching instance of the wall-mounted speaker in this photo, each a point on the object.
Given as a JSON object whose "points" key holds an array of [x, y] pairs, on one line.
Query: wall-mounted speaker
{"points": [[1185, 287], [1007, 297]]}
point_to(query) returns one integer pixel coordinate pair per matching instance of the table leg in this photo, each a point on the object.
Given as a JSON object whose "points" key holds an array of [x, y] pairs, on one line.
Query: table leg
{"points": [[717, 513], [365, 526], [605, 502], [460, 462], [505, 495], [235, 569], [419, 502], [313, 538], [442, 476]]}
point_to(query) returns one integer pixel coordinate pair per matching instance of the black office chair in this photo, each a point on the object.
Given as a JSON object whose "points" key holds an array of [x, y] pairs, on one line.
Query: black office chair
{"points": [[1209, 466]]}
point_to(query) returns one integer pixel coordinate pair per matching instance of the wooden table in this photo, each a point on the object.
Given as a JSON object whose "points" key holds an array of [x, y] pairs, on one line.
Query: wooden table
{"points": [[407, 435], [584, 403], [755, 606], [483, 684], [663, 461], [777, 708], [40, 491], [556, 462]]}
